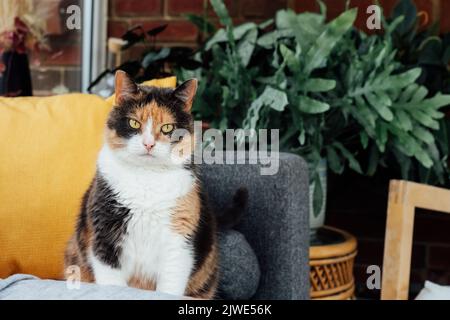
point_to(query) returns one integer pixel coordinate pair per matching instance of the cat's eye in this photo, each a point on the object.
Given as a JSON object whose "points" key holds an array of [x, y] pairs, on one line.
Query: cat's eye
{"points": [[134, 124], [167, 128]]}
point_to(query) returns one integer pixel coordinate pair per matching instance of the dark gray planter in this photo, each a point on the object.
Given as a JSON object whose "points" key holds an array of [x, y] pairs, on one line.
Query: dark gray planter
{"points": [[15, 80]]}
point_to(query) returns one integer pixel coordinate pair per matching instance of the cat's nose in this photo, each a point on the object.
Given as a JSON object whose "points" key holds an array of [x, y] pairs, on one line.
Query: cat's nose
{"points": [[149, 142], [149, 145]]}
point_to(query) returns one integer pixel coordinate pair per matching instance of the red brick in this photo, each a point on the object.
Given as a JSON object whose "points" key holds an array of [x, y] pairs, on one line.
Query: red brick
{"points": [[427, 7], [177, 7], [334, 7], [69, 55], [232, 7], [137, 7], [439, 257], [388, 6], [445, 17], [54, 23], [361, 19], [261, 9], [305, 6], [182, 31], [117, 28]]}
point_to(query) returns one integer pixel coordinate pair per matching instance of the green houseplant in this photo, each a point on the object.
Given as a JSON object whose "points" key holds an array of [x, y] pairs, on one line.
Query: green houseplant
{"points": [[338, 96], [424, 47]]}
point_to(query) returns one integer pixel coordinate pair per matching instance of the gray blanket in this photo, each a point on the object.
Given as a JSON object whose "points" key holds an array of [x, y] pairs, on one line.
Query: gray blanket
{"points": [[27, 287]]}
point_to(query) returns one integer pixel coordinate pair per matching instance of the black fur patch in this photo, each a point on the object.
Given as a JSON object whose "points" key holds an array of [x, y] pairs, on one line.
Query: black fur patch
{"points": [[203, 238], [109, 219]]}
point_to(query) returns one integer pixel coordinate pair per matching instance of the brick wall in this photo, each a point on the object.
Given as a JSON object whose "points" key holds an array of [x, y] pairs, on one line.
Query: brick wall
{"points": [[61, 66]]}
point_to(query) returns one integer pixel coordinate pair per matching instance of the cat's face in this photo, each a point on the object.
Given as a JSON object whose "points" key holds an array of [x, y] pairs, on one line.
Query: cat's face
{"points": [[151, 126]]}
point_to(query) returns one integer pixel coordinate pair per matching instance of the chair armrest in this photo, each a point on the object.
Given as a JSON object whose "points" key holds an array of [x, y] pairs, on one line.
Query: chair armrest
{"points": [[276, 223]]}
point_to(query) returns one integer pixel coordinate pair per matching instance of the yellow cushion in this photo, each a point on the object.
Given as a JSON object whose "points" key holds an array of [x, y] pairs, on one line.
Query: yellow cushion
{"points": [[47, 160]]}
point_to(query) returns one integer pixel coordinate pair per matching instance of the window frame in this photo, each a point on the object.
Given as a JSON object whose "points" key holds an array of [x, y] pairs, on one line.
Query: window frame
{"points": [[94, 33]]}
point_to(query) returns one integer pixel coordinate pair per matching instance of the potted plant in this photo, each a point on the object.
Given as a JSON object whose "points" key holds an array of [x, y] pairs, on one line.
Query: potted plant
{"points": [[339, 97], [22, 28]]}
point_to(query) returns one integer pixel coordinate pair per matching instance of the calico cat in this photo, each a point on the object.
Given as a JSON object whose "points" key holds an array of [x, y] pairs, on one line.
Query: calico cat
{"points": [[144, 220]]}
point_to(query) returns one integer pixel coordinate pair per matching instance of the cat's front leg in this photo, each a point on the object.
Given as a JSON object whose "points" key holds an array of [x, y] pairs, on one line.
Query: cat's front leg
{"points": [[105, 274], [175, 270]]}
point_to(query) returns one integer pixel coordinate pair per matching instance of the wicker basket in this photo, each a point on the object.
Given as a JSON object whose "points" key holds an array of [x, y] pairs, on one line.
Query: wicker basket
{"points": [[331, 273]]}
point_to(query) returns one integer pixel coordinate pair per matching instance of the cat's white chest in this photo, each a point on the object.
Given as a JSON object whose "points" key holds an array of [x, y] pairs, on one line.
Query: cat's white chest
{"points": [[151, 197]]}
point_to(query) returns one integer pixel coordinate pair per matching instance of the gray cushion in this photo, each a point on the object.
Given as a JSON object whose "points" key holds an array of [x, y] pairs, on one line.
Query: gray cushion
{"points": [[239, 268]]}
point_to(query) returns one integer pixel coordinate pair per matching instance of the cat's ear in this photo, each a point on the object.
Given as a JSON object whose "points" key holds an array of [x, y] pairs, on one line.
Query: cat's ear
{"points": [[185, 92], [124, 86]]}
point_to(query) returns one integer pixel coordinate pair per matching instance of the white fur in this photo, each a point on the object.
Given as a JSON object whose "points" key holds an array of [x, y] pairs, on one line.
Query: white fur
{"points": [[150, 189], [104, 274]]}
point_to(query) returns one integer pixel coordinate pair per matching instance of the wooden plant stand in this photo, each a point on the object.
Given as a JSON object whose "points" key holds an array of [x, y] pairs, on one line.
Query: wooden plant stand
{"points": [[331, 266]]}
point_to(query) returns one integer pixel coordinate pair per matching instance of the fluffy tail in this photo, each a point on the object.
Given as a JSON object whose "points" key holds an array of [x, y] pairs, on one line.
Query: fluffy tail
{"points": [[232, 215]]}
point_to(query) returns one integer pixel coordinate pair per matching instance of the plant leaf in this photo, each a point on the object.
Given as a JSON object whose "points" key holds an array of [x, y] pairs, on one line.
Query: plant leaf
{"points": [[352, 162], [201, 23], [334, 161], [320, 50], [312, 106], [273, 98], [222, 12], [317, 196], [319, 85], [290, 58], [246, 46], [221, 34]]}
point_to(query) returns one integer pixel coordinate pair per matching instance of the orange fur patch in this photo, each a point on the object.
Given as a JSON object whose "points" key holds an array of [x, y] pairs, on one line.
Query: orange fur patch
{"points": [[74, 254], [73, 257], [201, 277], [159, 116], [139, 282], [185, 221], [187, 213], [113, 140]]}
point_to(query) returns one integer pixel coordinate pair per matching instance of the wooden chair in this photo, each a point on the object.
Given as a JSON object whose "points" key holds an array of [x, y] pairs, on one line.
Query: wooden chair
{"points": [[404, 197]]}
